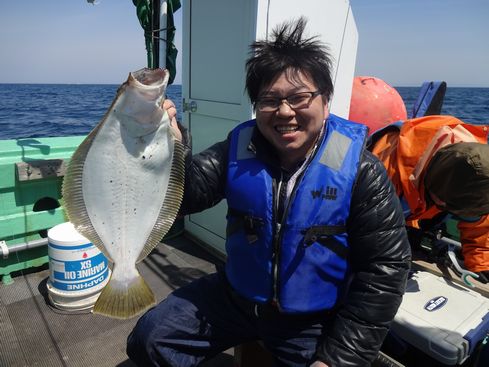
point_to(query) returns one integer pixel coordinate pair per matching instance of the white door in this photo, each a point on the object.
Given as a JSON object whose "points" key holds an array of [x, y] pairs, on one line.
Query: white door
{"points": [[215, 45]]}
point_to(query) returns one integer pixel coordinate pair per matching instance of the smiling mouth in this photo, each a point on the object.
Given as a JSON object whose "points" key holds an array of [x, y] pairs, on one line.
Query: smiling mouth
{"points": [[286, 129]]}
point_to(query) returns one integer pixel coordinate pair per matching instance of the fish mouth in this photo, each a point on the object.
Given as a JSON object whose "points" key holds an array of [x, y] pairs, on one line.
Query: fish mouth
{"points": [[151, 78], [139, 103]]}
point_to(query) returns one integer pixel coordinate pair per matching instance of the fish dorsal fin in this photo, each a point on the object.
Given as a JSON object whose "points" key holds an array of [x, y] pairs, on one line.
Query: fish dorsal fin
{"points": [[171, 204], [72, 192]]}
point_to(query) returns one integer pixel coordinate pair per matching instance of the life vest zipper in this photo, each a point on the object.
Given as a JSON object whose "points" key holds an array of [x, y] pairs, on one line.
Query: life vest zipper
{"points": [[276, 242], [277, 237]]}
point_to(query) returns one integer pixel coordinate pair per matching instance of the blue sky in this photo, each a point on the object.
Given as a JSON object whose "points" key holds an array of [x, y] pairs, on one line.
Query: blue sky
{"points": [[404, 42]]}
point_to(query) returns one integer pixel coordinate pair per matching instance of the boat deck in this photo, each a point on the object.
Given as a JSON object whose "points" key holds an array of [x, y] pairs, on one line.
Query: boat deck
{"points": [[33, 333]]}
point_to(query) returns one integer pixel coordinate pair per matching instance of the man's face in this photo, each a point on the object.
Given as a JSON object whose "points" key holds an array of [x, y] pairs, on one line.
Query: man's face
{"points": [[293, 132]]}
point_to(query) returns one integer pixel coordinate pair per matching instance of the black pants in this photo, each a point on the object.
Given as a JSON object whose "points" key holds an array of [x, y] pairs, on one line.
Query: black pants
{"points": [[204, 318]]}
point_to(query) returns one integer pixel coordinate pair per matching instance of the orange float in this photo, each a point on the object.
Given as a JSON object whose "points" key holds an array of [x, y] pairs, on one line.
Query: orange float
{"points": [[375, 103]]}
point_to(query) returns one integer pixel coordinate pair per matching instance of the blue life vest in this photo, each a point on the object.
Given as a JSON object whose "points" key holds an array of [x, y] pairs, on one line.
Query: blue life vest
{"points": [[300, 264]]}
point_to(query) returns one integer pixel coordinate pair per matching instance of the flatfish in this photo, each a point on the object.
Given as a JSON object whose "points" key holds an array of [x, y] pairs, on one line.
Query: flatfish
{"points": [[124, 185]]}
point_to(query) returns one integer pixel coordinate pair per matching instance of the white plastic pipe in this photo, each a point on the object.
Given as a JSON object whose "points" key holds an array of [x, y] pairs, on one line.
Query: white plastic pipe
{"points": [[6, 250]]}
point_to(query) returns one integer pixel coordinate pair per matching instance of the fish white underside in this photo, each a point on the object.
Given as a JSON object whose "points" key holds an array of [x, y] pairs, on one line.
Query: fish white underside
{"points": [[124, 184]]}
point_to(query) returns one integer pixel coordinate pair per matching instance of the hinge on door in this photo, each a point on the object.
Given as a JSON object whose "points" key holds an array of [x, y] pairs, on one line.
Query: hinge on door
{"points": [[186, 107]]}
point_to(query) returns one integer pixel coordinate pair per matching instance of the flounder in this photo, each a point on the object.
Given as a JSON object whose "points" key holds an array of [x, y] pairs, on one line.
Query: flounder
{"points": [[124, 185]]}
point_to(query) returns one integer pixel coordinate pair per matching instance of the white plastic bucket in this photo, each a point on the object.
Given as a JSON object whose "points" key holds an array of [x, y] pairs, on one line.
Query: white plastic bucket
{"points": [[78, 270]]}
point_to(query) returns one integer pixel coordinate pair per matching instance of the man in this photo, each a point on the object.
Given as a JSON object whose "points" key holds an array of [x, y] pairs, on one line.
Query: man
{"points": [[317, 253], [440, 165]]}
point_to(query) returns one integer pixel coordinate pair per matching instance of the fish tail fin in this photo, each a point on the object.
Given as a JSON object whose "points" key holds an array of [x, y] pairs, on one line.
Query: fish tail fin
{"points": [[123, 301]]}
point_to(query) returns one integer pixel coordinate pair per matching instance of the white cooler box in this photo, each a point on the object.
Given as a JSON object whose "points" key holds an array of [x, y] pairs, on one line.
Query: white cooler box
{"points": [[442, 319]]}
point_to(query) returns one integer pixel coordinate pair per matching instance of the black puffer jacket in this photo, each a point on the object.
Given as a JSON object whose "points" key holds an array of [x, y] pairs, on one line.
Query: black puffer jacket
{"points": [[380, 252]]}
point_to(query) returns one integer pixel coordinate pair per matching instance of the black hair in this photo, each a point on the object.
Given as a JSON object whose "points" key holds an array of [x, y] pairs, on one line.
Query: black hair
{"points": [[288, 51]]}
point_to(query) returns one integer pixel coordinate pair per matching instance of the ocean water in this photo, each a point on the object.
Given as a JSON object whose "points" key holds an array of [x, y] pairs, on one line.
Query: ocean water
{"points": [[44, 110], [49, 110], [468, 104]]}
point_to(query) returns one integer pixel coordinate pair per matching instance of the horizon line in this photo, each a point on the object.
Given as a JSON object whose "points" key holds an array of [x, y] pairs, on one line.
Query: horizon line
{"points": [[177, 84]]}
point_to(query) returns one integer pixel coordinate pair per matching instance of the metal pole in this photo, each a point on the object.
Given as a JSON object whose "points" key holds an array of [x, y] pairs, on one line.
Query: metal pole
{"points": [[155, 33], [163, 26]]}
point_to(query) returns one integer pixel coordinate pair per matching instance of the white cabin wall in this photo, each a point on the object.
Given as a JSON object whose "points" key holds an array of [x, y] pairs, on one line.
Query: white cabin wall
{"points": [[345, 69]]}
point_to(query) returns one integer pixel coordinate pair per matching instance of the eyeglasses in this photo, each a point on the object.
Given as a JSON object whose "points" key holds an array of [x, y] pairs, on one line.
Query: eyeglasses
{"points": [[295, 101]]}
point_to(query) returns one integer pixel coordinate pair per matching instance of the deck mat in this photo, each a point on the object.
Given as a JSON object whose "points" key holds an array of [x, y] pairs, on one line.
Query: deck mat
{"points": [[33, 333]]}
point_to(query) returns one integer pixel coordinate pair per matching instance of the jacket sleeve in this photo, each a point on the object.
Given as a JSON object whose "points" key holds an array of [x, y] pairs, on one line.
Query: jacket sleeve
{"points": [[380, 260], [205, 176], [474, 237]]}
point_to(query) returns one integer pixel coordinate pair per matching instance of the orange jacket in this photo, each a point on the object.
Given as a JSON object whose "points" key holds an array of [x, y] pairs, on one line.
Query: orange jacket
{"points": [[406, 154]]}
